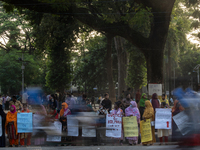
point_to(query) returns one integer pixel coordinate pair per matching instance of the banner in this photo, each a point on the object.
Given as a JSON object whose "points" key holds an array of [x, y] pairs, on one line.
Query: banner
{"points": [[181, 120], [163, 118], [155, 88], [24, 123], [130, 126], [72, 125], [145, 129], [113, 125], [88, 131]]}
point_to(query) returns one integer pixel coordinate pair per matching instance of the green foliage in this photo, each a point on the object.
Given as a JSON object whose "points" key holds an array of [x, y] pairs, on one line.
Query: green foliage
{"points": [[55, 37], [10, 71], [137, 71], [90, 67]]}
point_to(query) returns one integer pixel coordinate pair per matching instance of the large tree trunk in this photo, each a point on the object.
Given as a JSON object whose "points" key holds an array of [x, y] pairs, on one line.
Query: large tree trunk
{"points": [[154, 49], [110, 69], [122, 63]]}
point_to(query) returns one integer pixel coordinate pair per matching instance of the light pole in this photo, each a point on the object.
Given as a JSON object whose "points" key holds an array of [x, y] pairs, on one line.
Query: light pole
{"points": [[196, 69], [23, 67]]}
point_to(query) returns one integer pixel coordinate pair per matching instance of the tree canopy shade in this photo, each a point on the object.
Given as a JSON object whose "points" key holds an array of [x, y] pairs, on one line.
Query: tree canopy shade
{"points": [[144, 23]]}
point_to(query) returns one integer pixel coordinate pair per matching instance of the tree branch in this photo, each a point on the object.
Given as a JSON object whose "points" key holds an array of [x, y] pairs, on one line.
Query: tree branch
{"points": [[120, 28]]}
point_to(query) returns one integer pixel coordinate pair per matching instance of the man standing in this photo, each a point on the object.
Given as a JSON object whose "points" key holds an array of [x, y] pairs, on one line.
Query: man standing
{"points": [[107, 103], [17, 103]]}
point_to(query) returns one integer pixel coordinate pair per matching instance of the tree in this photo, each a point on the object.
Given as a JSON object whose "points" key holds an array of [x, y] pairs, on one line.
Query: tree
{"points": [[55, 37], [122, 18], [136, 69], [90, 67], [16, 35]]}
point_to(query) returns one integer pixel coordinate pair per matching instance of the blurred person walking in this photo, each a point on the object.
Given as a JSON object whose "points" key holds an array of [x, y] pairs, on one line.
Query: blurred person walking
{"points": [[11, 126], [3, 121], [7, 102], [132, 110], [149, 114], [142, 104], [70, 101], [107, 102], [118, 111], [176, 134], [23, 136]]}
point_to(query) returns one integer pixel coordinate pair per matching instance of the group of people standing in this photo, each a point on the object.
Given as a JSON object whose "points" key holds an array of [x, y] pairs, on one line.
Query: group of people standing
{"points": [[143, 109]]}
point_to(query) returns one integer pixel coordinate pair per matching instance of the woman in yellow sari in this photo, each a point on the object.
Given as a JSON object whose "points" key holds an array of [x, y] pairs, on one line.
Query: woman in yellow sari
{"points": [[149, 114]]}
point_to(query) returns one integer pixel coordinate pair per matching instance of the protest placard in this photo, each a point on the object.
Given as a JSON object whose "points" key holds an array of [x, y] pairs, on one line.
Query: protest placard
{"points": [[155, 88], [113, 125], [130, 126], [88, 131], [181, 120], [58, 127], [163, 118], [145, 128], [24, 123], [72, 125]]}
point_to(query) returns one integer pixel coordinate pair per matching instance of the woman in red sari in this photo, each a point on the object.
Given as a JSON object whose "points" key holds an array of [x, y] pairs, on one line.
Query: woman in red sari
{"points": [[11, 126]]}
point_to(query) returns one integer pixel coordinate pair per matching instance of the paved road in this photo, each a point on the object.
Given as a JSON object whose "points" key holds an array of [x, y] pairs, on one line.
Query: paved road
{"points": [[173, 147]]}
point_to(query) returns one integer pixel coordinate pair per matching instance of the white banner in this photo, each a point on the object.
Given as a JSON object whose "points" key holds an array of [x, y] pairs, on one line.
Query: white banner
{"points": [[163, 118], [182, 120], [113, 125], [155, 88], [72, 125]]}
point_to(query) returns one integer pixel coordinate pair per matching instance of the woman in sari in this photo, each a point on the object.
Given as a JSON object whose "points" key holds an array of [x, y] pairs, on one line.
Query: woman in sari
{"points": [[142, 104], [149, 114], [155, 101], [118, 111], [11, 126], [132, 110], [63, 115], [2, 137]]}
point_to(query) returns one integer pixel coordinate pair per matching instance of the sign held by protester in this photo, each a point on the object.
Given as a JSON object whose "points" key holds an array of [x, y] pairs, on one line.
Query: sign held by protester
{"points": [[113, 125], [145, 128], [130, 126], [72, 125], [181, 120], [155, 88], [24, 123], [163, 118]]}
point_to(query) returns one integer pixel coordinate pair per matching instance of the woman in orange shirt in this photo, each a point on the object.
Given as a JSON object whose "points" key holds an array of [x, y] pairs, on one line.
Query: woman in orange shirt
{"points": [[11, 126]]}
